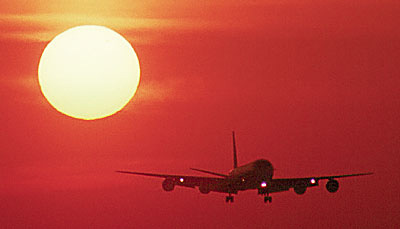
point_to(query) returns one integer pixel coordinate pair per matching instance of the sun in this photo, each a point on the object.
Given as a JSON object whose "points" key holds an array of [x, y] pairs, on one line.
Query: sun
{"points": [[89, 72]]}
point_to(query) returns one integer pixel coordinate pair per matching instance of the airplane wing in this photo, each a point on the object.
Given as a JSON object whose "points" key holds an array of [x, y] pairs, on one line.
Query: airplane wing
{"points": [[284, 184], [212, 183]]}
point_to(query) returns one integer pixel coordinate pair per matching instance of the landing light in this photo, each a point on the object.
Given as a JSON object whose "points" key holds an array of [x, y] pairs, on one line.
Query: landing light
{"points": [[263, 184], [181, 180], [313, 181]]}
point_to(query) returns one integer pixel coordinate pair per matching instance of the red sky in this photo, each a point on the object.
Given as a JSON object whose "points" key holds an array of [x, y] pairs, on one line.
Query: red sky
{"points": [[312, 86]]}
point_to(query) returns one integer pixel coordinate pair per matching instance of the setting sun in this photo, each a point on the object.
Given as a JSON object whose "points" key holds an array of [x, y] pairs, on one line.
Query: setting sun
{"points": [[89, 72]]}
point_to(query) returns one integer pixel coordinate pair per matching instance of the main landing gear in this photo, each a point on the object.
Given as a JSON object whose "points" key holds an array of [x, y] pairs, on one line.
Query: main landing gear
{"points": [[265, 193], [267, 199], [229, 198]]}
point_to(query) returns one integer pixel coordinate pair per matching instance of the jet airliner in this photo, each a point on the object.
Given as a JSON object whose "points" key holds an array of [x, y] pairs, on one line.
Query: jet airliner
{"points": [[257, 175]]}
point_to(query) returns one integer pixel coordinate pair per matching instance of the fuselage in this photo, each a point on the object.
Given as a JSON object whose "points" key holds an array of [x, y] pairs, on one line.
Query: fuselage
{"points": [[251, 175]]}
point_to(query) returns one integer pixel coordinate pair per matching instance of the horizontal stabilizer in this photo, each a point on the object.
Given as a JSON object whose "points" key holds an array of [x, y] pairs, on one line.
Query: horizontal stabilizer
{"points": [[209, 172]]}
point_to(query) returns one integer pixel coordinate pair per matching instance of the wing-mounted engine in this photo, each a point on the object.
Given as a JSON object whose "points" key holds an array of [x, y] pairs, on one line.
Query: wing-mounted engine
{"points": [[204, 188], [300, 187], [332, 186], [168, 185]]}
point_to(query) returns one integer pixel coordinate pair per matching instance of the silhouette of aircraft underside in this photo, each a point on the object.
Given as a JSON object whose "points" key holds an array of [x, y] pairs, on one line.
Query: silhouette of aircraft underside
{"points": [[257, 175]]}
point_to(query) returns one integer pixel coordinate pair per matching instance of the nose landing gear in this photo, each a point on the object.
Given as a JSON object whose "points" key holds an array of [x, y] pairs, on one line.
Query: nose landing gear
{"points": [[229, 199]]}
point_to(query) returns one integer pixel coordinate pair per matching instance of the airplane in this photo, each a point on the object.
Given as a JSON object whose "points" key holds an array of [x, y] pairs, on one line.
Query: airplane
{"points": [[254, 175]]}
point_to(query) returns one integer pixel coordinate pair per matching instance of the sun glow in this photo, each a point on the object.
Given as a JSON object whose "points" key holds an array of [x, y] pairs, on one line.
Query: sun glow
{"points": [[89, 72]]}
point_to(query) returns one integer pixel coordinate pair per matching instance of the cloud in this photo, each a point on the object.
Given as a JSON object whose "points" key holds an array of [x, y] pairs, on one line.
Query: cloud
{"points": [[149, 21], [26, 82], [43, 27], [25, 89]]}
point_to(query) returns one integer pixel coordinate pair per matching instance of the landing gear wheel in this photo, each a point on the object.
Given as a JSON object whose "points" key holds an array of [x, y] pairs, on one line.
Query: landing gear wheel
{"points": [[229, 199], [267, 199]]}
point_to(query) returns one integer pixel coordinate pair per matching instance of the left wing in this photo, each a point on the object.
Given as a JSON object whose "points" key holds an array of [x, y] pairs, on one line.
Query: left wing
{"points": [[300, 184], [206, 183]]}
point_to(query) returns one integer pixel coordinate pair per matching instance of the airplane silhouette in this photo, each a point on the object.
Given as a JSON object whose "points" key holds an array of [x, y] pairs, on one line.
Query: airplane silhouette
{"points": [[255, 175]]}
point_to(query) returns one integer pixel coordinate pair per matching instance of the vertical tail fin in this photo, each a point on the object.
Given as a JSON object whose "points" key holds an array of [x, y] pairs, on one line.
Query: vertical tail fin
{"points": [[234, 151]]}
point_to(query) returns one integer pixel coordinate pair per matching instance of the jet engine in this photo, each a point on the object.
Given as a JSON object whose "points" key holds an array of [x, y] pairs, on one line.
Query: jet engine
{"points": [[332, 186], [168, 185], [300, 188], [204, 189]]}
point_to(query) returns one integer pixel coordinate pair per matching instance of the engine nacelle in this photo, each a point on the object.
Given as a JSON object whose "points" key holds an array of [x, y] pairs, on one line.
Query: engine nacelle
{"points": [[300, 188], [168, 185], [204, 189], [332, 186]]}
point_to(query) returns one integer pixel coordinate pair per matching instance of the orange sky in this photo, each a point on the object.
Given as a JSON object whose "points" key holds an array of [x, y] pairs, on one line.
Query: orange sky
{"points": [[312, 86]]}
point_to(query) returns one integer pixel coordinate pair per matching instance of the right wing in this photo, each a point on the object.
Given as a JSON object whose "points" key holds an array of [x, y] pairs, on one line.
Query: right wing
{"points": [[284, 184], [212, 183]]}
